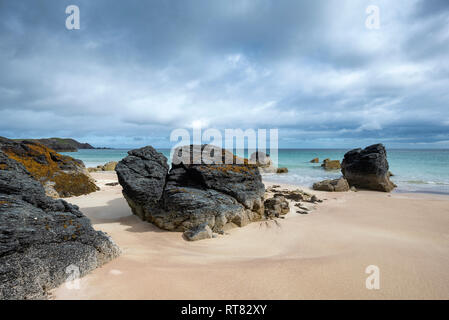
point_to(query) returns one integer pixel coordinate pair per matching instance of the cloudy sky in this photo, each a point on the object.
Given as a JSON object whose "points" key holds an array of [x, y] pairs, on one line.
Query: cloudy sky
{"points": [[138, 69]]}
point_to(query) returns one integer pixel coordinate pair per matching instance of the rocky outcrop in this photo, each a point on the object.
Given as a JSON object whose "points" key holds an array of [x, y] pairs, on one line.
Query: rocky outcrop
{"points": [[60, 144], [42, 240], [315, 160], [197, 190], [368, 168], [109, 166], [331, 164], [336, 185], [61, 176]]}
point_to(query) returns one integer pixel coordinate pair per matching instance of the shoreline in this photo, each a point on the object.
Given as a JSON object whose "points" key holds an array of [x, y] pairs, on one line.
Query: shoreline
{"points": [[321, 255], [412, 173]]}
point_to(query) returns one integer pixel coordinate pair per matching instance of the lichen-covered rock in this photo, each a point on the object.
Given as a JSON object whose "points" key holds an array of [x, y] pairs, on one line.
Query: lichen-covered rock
{"points": [[197, 189], [40, 237], [331, 164], [61, 176], [336, 185], [368, 168]]}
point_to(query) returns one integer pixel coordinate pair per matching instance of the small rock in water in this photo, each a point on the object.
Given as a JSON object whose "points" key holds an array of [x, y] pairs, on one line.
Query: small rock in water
{"points": [[302, 212], [282, 170]]}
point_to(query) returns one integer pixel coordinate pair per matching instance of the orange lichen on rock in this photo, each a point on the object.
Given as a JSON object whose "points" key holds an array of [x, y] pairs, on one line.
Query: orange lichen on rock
{"points": [[226, 168], [46, 165]]}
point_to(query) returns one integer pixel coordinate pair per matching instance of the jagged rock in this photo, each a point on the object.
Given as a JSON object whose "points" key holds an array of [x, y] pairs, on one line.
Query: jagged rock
{"points": [[276, 206], [61, 176], [337, 185], [197, 189], [315, 160], [368, 168], [203, 231], [331, 164], [40, 237], [282, 170]]}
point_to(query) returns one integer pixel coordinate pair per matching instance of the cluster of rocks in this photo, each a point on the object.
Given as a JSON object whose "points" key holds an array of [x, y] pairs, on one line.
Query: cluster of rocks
{"points": [[199, 190], [329, 164], [42, 240], [362, 168], [109, 166], [301, 199], [61, 176]]}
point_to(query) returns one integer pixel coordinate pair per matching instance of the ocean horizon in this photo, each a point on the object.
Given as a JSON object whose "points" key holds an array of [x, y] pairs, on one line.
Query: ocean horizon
{"points": [[414, 170]]}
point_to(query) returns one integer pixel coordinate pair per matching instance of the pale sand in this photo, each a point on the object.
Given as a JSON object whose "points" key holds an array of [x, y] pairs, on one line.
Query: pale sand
{"points": [[322, 255]]}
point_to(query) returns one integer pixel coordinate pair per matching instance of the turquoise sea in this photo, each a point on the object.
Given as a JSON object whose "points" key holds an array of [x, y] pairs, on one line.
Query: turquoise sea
{"points": [[414, 170]]}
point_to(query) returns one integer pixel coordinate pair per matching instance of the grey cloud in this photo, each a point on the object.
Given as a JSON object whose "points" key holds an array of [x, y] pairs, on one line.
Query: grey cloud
{"points": [[138, 69]]}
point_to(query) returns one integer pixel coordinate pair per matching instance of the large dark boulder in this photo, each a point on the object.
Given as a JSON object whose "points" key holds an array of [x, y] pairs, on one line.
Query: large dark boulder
{"points": [[368, 168], [142, 175], [196, 190], [41, 237]]}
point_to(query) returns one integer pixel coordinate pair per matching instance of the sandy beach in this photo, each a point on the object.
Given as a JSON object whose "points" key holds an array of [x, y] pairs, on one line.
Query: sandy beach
{"points": [[321, 255]]}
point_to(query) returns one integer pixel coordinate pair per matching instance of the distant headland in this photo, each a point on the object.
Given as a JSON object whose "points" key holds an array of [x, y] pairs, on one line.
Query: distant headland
{"points": [[61, 144]]}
